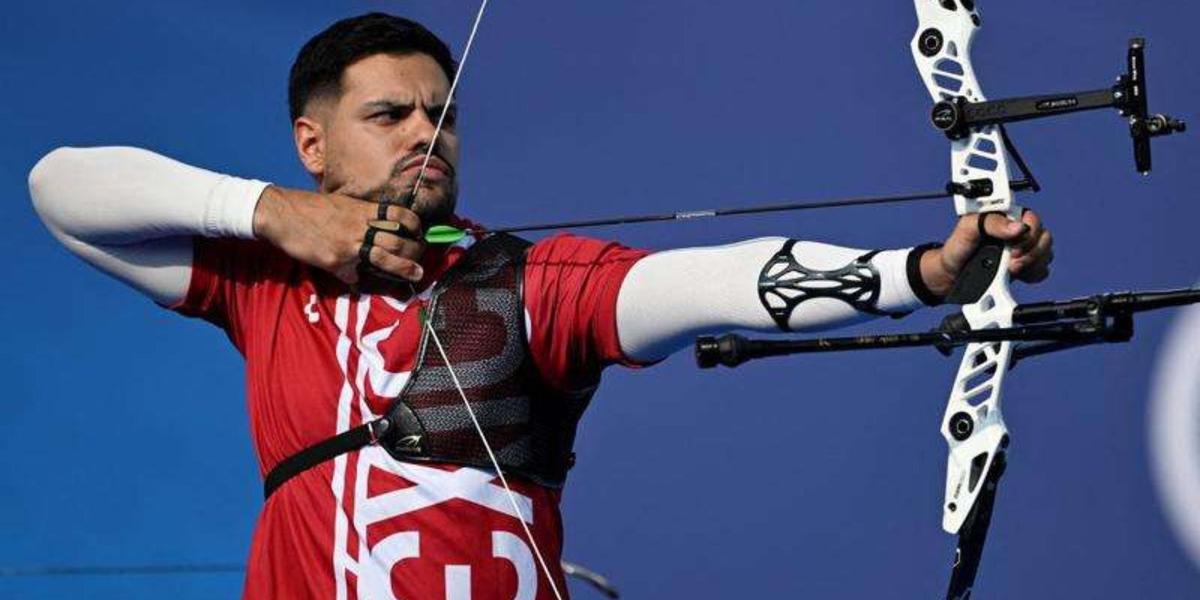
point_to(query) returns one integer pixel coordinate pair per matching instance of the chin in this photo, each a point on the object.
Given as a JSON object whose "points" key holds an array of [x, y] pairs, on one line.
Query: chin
{"points": [[435, 210]]}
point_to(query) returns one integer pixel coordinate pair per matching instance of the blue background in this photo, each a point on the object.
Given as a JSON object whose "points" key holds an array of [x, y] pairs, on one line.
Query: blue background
{"points": [[123, 435]]}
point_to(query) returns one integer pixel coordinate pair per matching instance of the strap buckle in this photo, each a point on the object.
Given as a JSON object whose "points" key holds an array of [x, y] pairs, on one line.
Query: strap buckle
{"points": [[377, 429]]}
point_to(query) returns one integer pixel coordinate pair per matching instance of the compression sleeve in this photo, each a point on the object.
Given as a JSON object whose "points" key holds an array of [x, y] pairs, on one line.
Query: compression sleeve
{"points": [[669, 298], [132, 213]]}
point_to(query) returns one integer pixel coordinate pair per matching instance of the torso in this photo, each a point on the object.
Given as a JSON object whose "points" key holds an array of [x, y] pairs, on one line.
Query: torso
{"points": [[320, 360]]}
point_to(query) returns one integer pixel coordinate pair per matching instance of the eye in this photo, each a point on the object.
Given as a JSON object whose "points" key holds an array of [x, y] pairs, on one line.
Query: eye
{"points": [[451, 116], [391, 114]]}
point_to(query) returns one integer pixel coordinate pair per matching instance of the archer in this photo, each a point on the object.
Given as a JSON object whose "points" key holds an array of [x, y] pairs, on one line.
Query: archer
{"points": [[430, 361]]}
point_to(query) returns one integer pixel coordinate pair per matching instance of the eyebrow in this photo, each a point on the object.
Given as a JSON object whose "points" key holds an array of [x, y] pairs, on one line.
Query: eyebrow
{"points": [[376, 105]]}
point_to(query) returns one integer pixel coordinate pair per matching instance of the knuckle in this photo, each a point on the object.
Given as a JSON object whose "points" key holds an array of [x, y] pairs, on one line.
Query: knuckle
{"points": [[398, 246], [378, 257], [393, 264], [387, 243], [405, 217], [414, 250]]}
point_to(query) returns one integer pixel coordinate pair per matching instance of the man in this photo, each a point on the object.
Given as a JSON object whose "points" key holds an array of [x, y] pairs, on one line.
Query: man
{"points": [[343, 312]]}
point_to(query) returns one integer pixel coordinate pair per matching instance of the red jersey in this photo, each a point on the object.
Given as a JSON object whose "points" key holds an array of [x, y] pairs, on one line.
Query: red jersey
{"points": [[321, 359]]}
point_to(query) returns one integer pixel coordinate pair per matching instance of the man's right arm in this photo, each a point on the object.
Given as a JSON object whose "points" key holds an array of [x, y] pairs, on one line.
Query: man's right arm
{"points": [[133, 213]]}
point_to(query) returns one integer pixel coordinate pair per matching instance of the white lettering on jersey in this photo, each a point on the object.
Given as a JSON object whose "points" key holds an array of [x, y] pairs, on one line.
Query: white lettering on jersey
{"points": [[375, 564], [310, 309]]}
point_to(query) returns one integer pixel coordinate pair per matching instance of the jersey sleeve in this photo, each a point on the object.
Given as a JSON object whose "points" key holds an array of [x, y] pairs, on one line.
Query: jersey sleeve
{"points": [[226, 273], [571, 287]]}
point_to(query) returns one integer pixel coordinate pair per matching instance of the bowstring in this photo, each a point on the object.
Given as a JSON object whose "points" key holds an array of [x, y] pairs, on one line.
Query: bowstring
{"points": [[437, 130], [437, 342]]}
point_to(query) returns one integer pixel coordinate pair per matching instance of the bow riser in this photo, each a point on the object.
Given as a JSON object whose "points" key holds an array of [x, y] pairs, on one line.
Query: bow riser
{"points": [[973, 424]]}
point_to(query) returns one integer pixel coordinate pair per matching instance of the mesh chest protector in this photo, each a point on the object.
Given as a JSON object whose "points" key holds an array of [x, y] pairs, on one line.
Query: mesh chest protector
{"points": [[478, 311]]}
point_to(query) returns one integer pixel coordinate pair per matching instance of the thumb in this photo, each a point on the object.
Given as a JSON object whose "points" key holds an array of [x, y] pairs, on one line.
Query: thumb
{"points": [[1003, 228]]}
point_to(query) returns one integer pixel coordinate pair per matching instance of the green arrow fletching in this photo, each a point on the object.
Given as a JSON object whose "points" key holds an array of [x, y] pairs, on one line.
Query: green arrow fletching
{"points": [[444, 234]]}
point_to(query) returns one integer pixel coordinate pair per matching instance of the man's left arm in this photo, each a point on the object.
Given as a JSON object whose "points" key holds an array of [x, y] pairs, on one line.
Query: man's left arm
{"points": [[777, 284]]}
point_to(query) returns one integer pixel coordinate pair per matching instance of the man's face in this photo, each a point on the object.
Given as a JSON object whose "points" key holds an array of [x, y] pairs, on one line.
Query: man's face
{"points": [[376, 135]]}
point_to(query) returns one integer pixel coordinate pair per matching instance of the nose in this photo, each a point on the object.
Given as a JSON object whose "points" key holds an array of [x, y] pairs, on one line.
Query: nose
{"points": [[423, 129]]}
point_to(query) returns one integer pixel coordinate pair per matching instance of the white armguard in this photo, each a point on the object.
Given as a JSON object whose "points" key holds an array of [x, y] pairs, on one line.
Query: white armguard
{"points": [[132, 213], [669, 298]]}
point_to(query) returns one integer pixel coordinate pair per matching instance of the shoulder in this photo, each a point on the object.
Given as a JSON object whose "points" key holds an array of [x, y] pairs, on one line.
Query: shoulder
{"points": [[568, 248]]}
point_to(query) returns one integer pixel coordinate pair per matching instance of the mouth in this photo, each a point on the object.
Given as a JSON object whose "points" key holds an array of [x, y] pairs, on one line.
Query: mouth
{"points": [[436, 170]]}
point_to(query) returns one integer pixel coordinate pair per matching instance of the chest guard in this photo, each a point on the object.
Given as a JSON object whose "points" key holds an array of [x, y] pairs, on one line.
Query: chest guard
{"points": [[478, 311]]}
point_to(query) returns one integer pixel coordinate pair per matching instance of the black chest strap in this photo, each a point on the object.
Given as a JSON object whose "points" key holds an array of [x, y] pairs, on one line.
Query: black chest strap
{"points": [[328, 449]]}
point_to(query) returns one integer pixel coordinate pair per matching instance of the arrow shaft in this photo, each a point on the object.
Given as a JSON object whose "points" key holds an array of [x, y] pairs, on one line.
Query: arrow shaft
{"points": [[724, 212]]}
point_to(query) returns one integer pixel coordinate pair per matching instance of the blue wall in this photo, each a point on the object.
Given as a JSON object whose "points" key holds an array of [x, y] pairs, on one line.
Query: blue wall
{"points": [[123, 434]]}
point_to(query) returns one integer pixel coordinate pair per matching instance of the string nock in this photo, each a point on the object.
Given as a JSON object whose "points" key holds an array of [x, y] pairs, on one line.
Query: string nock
{"points": [[974, 188]]}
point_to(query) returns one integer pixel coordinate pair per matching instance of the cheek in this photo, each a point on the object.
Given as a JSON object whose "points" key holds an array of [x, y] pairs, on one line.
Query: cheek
{"points": [[450, 147], [362, 159]]}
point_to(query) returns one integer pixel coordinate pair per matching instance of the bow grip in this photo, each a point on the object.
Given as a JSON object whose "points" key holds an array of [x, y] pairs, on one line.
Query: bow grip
{"points": [[980, 271]]}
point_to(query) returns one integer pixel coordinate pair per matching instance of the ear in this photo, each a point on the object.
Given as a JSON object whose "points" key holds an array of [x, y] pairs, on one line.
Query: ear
{"points": [[309, 136]]}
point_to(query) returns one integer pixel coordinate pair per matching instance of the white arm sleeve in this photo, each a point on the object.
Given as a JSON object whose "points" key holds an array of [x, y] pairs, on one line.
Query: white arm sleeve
{"points": [[669, 298], [132, 213]]}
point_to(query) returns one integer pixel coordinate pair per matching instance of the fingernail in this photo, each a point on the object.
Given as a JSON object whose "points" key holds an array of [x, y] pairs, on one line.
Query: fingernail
{"points": [[418, 273]]}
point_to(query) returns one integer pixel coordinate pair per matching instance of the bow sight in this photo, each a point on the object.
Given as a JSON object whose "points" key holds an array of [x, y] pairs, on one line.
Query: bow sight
{"points": [[957, 117]]}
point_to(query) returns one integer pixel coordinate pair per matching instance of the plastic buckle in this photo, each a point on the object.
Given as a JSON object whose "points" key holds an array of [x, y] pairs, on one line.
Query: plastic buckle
{"points": [[377, 429]]}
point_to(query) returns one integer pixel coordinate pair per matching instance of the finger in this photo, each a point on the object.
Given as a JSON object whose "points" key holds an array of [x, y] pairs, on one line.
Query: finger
{"points": [[1041, 247], [1034, 273], [399, 246], [1031, 218], [1045, 247], [409, 222], [1033, 221], [1036, 228], [395, 265], [1035, 266], [1026, 244]]}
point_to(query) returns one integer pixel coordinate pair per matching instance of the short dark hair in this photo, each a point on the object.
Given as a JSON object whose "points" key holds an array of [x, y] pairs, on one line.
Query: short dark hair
{"points": [[318, 68]]}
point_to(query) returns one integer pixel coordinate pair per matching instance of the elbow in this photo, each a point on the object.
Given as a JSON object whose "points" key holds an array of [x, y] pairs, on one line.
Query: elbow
{"points": [[47, 181], [58, 183], [52, 166]]}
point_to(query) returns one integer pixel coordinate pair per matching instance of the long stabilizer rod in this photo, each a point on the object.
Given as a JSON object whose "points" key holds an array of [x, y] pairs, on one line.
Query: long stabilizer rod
{"points": [[1097, 319]]}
